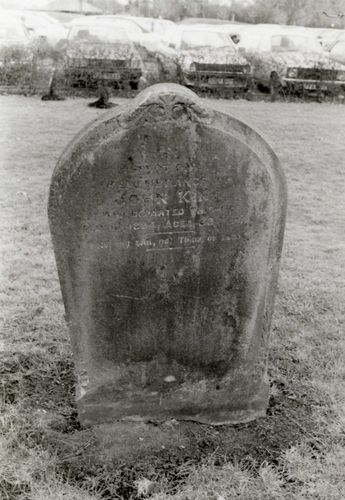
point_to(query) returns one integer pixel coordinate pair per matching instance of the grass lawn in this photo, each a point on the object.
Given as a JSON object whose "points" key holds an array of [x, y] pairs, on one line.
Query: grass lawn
{"points": [[298, 450]]}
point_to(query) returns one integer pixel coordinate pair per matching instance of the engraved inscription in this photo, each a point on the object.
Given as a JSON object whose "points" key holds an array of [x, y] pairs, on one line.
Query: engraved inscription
{"points": [[169, 213]]}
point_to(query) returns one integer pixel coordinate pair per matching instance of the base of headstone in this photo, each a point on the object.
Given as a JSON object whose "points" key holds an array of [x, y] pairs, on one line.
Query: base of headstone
{"points": [[198, 402], [93, 415]]}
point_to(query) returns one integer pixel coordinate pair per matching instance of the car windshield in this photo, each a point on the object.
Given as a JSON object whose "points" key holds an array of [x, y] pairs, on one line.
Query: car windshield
{"points": [[249, 41], [196, 39], [339, 49], [97, 34], [295, 43], [341, 37]]}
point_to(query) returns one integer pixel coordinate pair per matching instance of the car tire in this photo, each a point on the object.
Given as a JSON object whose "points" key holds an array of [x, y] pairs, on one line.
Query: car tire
{"points": [[134, 85], [263, 89]]}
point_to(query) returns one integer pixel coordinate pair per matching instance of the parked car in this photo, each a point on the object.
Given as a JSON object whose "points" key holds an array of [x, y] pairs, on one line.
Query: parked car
{"points": [[208, 58], [100, 50], [295, 62]]}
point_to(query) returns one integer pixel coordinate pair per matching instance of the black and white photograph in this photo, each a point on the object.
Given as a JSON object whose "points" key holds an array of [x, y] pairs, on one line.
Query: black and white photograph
{"points": [[172, 278]]}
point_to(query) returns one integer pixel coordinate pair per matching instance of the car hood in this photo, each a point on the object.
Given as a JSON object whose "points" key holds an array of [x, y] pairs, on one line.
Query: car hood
{"points": [[123, 51], [304, 60], [210, 55], [16, 53], [13, 43]]}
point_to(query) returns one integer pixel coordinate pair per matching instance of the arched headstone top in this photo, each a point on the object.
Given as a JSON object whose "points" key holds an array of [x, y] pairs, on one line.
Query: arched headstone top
{"points": [[164, 103]]}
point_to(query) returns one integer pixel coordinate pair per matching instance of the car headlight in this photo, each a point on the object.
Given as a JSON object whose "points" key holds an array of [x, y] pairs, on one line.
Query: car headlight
{"points": [[292, 72], [341, 75]]}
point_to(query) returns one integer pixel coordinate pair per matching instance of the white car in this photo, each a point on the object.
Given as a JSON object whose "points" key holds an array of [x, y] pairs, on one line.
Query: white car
{"points": [[208, 58], [293, 61], [100, 49]]}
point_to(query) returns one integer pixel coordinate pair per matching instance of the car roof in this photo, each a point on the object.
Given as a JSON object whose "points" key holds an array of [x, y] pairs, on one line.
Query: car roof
{"points": [[9, 19], [199, 27], [142, 18], [29, 14], [277, 32], [6, 15], [204, 20], [101, 21], [13, 21]]}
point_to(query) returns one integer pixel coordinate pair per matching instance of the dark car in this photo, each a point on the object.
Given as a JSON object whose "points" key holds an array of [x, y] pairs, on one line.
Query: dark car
{"points": [[100, 50]]}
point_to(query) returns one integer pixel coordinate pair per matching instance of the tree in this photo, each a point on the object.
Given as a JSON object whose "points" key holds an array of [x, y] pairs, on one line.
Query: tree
{"points": [[295, 12], [108, 6]]}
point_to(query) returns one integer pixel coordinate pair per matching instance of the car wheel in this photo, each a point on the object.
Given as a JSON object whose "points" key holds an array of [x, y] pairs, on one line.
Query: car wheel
{"points": [[133, 85], [262, 88]]}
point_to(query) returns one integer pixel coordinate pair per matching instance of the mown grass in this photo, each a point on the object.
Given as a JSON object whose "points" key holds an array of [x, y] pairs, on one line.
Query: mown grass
{"points": [[298, 450]]}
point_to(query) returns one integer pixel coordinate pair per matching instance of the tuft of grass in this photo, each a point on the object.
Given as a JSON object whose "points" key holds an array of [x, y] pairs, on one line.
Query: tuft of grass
{"points": [[233, 480]]}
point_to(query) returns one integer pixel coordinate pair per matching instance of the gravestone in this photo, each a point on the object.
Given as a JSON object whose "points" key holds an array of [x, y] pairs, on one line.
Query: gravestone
{"points": [[167, 220]]}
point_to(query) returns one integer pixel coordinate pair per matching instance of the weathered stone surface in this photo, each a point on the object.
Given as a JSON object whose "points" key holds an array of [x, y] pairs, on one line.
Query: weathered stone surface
{"points": [[167, 220]]}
